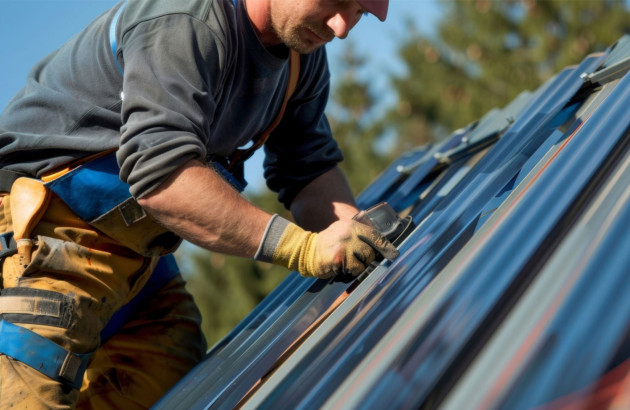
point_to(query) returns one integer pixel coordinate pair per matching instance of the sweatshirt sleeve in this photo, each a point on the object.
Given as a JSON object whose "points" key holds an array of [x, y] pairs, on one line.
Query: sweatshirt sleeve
{"points": [[172, 67]]}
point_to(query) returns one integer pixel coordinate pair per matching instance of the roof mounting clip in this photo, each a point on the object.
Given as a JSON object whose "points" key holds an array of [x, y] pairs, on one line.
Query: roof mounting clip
{"points": [[607, 74]]}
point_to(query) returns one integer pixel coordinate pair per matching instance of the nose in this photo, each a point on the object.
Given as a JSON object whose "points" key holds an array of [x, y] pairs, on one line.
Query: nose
{"points": [[341, 24]]}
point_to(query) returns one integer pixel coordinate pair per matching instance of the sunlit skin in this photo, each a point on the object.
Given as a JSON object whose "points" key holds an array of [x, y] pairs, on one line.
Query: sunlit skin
{"points": [[303, 25]]}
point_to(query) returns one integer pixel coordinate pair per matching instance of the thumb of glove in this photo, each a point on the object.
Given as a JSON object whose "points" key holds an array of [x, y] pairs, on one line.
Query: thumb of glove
{"points": [[377, 241]]}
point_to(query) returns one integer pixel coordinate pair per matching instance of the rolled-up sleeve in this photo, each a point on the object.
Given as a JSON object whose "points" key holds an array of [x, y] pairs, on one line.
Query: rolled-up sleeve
{"points": [[171, 67]]}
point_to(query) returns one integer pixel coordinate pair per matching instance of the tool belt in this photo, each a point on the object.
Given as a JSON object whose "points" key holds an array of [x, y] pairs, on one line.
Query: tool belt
{"points": [[95, 193], [28, 202]]}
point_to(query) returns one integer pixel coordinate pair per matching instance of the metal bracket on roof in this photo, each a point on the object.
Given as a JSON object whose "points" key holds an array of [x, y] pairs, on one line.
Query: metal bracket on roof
{"points": [[410, 168], [466, 148], [474, 138], [469, 148], [608, 74]]}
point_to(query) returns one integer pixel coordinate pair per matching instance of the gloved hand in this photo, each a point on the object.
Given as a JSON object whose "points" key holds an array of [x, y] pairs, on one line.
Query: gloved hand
{"points": [[345, 246]]}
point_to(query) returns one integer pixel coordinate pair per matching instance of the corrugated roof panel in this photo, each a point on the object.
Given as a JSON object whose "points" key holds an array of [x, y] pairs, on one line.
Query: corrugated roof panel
{"points": [[498, 265], [491, 258], [505, 369]]}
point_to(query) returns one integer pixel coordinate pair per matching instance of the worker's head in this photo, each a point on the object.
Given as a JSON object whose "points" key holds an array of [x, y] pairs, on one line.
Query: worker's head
{"points": [[305, 25]]}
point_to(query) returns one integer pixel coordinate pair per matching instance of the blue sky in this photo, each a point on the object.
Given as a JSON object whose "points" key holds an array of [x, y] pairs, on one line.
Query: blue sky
{"points": [[30, 29]]}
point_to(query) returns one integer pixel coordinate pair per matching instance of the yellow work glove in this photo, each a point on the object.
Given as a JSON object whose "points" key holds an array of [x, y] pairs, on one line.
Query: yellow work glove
{"points": [[345, 246]]}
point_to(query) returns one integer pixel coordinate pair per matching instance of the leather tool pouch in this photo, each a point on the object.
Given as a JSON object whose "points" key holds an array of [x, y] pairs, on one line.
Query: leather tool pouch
{"points": [[98, 196]]}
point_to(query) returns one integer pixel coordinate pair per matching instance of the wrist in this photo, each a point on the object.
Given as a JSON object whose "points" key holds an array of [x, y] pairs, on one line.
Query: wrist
{"points": [[286, 244], [271, 237]]}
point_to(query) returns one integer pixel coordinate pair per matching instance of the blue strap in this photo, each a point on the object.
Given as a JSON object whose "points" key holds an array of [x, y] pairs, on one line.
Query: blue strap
{"points": [[42, 354], [238, 184], [165, 271], [112, 35], [93, 189]]}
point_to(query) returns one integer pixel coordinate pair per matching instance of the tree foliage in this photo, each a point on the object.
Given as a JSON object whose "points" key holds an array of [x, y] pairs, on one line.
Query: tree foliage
{"points": [[484, 53], [355, 125]]}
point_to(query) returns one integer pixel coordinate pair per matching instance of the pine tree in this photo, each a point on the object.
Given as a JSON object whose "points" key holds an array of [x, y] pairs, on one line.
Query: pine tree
{"points": [[486, 52], [356, 125]]}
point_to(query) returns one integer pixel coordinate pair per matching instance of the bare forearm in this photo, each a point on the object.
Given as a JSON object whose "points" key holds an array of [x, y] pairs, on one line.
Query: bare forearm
{"points": [[326, 199], [202, 208]]}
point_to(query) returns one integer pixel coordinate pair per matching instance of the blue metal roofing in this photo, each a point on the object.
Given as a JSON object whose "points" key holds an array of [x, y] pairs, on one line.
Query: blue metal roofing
{"points": [[512, 291]]}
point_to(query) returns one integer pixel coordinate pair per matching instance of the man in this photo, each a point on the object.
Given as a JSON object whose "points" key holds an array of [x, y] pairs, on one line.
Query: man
{"points": [[162, 94]]}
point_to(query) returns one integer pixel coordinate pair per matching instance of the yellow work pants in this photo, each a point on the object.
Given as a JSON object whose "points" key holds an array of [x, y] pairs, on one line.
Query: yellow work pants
{"points": [[136, 366]]}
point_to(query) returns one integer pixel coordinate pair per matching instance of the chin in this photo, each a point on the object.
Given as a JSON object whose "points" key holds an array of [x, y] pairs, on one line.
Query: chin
{"points": [[301, 44], [304, 47], [306, 50]]}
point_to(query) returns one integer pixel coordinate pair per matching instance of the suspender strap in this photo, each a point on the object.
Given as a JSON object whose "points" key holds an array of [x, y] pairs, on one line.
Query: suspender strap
{"points": [[241, 155], [112, 36], [42, 354]]}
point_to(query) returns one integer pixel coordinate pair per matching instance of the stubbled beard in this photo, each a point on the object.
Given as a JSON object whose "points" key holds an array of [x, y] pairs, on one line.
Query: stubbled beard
{"points": [[293, 40]]}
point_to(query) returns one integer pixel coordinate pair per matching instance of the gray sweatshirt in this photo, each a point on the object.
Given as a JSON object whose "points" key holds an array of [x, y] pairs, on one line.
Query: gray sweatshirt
{"points": [[197, 82]]}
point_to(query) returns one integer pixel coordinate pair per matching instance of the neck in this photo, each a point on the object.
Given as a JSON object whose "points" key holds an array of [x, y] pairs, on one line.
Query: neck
{"points": [[259, 12]]}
